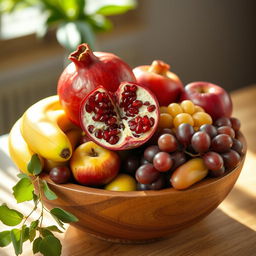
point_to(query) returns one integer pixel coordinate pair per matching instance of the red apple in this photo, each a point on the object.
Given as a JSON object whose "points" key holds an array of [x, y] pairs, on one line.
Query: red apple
{"points": [[211, 97], [94, 165], [166, 85]]}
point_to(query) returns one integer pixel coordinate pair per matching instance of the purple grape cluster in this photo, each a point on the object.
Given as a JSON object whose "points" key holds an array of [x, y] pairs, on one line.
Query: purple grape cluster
{"points": [[218, 145]]}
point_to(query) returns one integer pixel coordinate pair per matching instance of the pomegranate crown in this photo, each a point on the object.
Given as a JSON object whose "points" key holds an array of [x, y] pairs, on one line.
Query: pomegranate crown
{"points": [[83, 55]]}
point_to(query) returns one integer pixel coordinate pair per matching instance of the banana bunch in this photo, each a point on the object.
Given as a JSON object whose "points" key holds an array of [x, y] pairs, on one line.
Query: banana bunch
{"points": [[43, 129]]}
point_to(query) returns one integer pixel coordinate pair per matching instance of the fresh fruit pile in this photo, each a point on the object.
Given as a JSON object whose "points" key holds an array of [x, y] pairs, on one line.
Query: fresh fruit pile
{"points": [[120, 129]]}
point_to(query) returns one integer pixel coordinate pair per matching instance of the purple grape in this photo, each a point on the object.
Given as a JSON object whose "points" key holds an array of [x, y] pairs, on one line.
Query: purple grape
{"points": [[236, 124], [60, 174], [223, 121], [210, 129], [201, 142], [150, 152], [146, 174], [178, 158], [144, 161], [226, 130], [217, 173], [238, 146], [184, 133], [159, 183], [167, 143], [221, 143], [162, 161], [131, 164], [231, 159], [213, 161]]}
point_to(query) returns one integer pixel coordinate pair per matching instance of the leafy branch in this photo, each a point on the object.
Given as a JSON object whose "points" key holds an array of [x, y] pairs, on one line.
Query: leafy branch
{"points": [[75, 21], [41, 238]]}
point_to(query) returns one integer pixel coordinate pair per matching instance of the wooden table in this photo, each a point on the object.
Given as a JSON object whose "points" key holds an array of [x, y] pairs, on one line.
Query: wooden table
{"points": [[229, 230]]}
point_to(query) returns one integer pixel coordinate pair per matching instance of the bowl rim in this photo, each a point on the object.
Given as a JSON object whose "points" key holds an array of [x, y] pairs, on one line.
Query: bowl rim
{"points": [[102, 192]]}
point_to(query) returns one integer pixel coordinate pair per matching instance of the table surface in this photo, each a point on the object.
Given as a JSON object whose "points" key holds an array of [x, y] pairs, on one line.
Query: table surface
{"points": [[228, 230]]}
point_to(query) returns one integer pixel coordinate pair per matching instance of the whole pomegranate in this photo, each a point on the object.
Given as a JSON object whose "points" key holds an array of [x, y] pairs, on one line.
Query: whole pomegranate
{"points": [[87, 71], [164, 84], [120, 121]]}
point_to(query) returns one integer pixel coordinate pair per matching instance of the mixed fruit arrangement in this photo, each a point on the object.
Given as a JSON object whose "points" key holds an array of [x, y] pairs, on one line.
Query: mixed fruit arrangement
{"points": [[120, 129]]}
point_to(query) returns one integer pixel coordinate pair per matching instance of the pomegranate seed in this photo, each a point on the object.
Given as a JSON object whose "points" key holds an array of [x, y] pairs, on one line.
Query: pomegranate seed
{"points": [[99, 97], [126, 88], [90, 128], [152, 121], [99, 134], [113, 126], [125, 118], [98, 110], [134, 111], [137, 103], [88, 108], [96, 117], [101, 119], [111, 120], [102, 105], [137, 119], [139, 128], [145, 120], [145, 128], [106, 135], [113, 140], [113, 132], [151, 108], [146, 103], [136, 135], [133, 88], [132, 125]]}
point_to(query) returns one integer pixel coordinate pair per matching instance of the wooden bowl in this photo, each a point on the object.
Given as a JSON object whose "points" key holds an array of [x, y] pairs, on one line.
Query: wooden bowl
{"points": [[141, 216]]}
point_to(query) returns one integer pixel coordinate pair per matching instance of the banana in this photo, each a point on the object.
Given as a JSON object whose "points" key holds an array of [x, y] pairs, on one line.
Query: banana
{"points": [[19, 150], [74, 136], [41, 127]]}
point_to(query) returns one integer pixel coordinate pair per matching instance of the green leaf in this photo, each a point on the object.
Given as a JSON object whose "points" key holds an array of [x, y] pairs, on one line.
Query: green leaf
{"points": [[32, 235], [45, 232], [25, 233], [63, 215], [22, 175], [32, 230], [50, 246], [50, 195], [22, 191], [34, 166], [34, 224], [99, 23], [54, 229], [36, 245], [109, 7], [15, 237], [9, 216], [5, 238], [71, 34], [60, 223]]}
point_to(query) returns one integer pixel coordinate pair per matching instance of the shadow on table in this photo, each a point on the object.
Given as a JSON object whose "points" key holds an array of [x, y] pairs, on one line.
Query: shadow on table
{"points": [[217, 234]]}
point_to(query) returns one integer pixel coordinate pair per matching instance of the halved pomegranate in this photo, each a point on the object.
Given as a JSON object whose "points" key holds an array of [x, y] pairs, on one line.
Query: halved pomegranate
{"points": [[122, 120]]}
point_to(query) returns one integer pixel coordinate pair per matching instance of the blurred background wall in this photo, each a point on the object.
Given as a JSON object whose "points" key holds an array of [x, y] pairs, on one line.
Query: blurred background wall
{"points": [[201, 39]]}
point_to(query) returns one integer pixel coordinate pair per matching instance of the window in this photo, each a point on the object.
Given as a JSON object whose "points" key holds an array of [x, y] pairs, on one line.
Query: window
{"points": [[20, 23]]}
